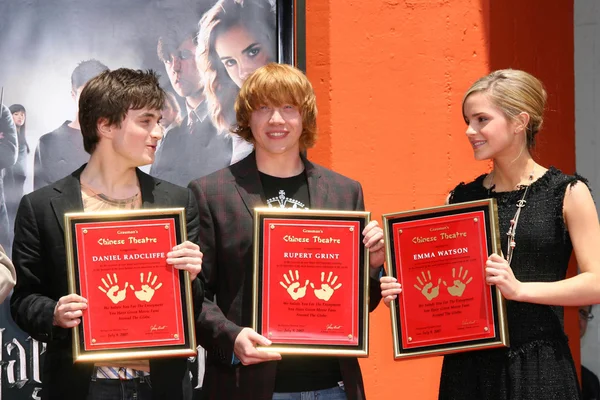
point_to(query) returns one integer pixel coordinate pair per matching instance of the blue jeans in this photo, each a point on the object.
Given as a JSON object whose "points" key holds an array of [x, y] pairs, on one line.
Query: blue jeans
{"points": [[336, 393], [117, 389]]}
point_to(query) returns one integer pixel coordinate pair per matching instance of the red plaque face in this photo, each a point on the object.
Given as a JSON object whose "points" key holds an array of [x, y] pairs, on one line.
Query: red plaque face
{"points": [[138, 305], [311, 281], [439, 256], [441, 266], [131, 290]]}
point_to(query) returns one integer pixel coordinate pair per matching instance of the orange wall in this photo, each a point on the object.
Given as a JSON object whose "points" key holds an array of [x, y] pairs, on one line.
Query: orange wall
{"points": [[389, 77]]}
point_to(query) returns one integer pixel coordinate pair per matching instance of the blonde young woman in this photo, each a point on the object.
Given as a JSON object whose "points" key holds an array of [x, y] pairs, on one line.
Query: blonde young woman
{"points": [[236, 37], [504, 112]]}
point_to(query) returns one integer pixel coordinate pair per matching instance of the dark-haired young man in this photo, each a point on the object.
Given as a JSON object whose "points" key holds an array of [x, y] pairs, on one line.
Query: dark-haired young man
{"points": [[61, 151], [118, 113]]}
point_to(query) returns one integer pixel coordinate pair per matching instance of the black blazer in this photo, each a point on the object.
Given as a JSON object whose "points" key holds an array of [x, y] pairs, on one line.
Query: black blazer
{"points": [[40, 261]]}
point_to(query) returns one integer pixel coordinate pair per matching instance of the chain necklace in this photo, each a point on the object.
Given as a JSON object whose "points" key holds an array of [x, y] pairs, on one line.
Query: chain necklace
{"points": [[109, 202], [512, 230]]}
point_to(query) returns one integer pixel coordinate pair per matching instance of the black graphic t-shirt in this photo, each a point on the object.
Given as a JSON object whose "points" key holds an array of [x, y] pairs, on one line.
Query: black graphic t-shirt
{"points": [[289, 192], [298, 373]]}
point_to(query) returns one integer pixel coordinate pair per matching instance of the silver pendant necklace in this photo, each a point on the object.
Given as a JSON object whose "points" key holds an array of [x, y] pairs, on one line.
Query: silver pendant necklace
{"points": [[512, 230]]}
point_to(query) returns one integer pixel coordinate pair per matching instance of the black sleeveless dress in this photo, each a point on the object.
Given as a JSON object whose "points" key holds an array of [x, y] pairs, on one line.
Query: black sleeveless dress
{"points": [[538, 365]]}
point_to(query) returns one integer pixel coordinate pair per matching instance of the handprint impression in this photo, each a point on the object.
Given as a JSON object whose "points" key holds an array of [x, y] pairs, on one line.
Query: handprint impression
{"points": [[113, 293], [147, 291], [459, 286], [326, 291], [427, 288], [293, 286]]}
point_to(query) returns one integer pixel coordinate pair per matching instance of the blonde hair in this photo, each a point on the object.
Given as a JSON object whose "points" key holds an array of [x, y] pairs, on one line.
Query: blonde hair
{"points": [[257, 16], [513, 92], [276, 85]]}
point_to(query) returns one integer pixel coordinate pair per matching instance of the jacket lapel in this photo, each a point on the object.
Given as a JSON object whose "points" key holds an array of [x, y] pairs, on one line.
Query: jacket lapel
{"points": [[69, 197], [251, 191], [317, 189], [152, 195], [248, 183]]}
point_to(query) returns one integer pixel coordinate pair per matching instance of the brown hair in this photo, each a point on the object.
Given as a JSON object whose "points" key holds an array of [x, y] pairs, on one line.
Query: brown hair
{"points": [[178, 25], [84, 71], [277, 84], [111, 95], [257, 16], [513, 92]]}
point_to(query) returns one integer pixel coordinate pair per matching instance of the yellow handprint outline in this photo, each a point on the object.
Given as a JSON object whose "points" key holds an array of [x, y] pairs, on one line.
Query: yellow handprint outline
{"points": [[112, 289], [459, 286], [293, 286], [147, 291], [427, 288], [326, 290]]}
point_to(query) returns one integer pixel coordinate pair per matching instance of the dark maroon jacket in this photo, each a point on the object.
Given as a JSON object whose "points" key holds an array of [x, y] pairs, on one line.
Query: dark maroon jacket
{"points": [[226, 200]]}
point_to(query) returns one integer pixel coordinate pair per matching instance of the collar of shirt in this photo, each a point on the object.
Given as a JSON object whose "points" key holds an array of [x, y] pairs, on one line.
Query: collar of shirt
{"points": [[201, 112]]}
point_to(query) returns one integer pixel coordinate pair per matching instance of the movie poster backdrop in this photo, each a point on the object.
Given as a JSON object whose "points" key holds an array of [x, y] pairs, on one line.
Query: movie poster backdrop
{"points": [[43, 43]]}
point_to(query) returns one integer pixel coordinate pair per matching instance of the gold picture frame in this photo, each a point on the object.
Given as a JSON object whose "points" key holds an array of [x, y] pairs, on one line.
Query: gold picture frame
{"points": [[311, 281], [147, 317], [438, 255]]}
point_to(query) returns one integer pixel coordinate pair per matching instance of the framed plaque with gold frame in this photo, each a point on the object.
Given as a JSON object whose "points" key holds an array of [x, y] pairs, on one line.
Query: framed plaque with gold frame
{"points": [[438, 255], [311, 281], [139, 307]]}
